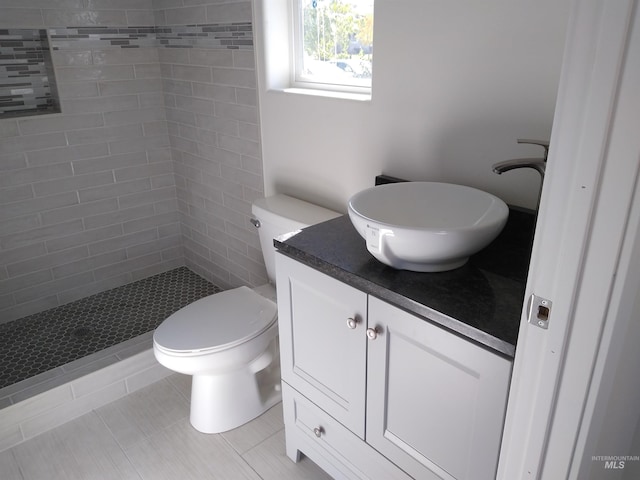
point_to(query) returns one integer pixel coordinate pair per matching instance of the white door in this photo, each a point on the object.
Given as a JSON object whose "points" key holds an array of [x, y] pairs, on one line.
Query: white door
{"points": [[580, 240]]}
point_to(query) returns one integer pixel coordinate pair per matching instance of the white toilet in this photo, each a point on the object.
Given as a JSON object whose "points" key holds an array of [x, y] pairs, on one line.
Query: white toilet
{"points": [[228, 341]]}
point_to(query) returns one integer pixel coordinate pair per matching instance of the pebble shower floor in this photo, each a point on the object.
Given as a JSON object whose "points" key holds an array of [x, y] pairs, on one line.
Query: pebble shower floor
{"points": [[47, 340]]}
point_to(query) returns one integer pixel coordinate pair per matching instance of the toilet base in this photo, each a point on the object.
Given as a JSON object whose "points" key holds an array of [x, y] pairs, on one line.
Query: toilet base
{"points": [[223, 402]]}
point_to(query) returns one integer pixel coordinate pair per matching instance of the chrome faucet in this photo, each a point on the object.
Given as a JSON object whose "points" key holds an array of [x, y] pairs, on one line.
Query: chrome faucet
{"points": [[538, 164]]}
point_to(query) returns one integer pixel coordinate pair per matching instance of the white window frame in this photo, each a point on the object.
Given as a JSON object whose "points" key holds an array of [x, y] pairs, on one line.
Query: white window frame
{"points": [[302, 84]]}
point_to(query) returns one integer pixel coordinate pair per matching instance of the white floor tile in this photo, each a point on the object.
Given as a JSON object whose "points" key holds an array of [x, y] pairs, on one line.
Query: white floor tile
{"points": [[147, 436], [144, 412], [10, 435], [270, 461], [182, 384], [182, 452], [256, 431], [81, 449], [9, 467]]}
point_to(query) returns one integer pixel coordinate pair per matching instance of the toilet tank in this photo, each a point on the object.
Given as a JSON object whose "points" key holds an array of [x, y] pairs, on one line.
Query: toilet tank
{"points": [[282, 214]]}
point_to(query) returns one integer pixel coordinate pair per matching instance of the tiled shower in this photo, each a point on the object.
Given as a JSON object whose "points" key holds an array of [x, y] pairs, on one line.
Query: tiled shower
{"points": [[151, 166], [153, 162]]}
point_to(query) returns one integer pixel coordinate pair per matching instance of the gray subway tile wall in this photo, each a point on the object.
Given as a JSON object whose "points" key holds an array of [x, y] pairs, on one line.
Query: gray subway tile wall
{"points": [[153, 163]]}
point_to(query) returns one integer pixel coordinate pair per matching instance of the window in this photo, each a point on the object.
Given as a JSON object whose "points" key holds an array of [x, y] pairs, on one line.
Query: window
{"points": [[333, 45]]}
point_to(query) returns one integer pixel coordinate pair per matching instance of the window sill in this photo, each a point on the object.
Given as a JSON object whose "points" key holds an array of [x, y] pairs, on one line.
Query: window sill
{"points": [[361, 97]]}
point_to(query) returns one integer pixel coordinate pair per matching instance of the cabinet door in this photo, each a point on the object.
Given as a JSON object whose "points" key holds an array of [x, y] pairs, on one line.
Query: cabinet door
{"points": [[435, 401], [322, 340]]}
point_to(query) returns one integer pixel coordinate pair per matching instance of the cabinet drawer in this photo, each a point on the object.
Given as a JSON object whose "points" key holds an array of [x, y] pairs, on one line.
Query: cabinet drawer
{"points": [[329, 444], [322, 324]]}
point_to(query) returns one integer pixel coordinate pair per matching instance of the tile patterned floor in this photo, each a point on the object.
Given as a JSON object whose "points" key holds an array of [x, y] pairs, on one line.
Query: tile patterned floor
{"points": [[147, 435], [43, 341]]}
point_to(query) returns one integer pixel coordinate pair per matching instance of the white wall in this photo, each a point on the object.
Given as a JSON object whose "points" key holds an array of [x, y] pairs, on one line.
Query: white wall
{"points": [[455, 84]]}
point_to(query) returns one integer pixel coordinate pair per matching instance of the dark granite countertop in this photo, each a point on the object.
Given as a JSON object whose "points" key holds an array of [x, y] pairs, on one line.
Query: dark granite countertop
{"points": [[481, 301]]}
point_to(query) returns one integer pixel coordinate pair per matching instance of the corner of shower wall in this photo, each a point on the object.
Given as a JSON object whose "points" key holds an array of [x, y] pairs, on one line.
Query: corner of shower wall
{"points": [[208, 71]]}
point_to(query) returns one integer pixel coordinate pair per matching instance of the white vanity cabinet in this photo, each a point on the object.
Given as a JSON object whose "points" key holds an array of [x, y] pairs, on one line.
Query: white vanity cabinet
{"points": [[371, 391]]}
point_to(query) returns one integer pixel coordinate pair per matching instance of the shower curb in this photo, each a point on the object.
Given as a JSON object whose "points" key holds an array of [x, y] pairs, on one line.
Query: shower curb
{"points": [[47, 410]]}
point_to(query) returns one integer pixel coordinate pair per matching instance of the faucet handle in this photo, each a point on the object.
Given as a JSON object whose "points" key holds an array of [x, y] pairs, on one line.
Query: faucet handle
{"points": [[544, 144]]}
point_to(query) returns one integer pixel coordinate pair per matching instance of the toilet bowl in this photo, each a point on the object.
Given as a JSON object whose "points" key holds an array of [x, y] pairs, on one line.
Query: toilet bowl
{"points": [[224, 341], [228, 341]]}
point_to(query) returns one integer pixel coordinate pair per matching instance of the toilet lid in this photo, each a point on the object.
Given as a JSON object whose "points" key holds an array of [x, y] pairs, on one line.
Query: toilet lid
{"points": [[216, 322]]}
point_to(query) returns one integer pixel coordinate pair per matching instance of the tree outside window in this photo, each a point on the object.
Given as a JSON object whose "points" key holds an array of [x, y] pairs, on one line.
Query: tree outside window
{"points": [[337, 37]]}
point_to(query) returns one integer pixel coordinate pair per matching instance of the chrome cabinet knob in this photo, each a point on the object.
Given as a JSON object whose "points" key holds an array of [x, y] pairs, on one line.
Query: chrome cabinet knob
{"points": [[372, 333], [318, 431], [352, 323]]}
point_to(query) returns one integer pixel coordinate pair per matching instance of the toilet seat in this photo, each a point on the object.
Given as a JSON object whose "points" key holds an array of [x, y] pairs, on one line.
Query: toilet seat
{"points": [[215, 323]]}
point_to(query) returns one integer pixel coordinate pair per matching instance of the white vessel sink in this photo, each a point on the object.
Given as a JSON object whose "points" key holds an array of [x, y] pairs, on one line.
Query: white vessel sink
{"points": [[426, 226]]}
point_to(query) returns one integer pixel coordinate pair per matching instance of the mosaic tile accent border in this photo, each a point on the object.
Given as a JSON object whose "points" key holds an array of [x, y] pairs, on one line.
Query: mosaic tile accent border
{"points": [[102, 37], [27, 81], [47, 340], [27, 84], [222, 35], [231, 36]]}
